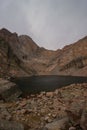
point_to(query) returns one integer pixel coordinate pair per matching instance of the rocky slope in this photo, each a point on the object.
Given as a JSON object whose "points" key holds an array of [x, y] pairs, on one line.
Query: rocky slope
{"points": [[9, 61], [72, 59], [63, 109], [20, 55]]}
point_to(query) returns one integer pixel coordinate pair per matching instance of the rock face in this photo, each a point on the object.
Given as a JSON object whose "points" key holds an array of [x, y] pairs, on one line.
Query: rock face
{"points": [[9, 60], [73, 58], [8, 90], [58, 125], [10, 125], [21, 56], [83, 120]]}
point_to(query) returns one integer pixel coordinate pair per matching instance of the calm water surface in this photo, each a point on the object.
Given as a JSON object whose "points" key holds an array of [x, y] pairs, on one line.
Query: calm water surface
{"points": [[36, 84]]}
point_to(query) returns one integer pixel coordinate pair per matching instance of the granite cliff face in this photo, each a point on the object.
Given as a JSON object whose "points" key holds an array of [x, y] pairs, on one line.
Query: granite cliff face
{"points": [[20, 55], [9, 51], [72, 59]]}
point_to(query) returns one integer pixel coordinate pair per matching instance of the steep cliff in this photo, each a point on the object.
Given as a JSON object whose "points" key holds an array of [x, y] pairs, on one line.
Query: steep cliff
{"points": [[21, 56], [72, 59], [10, 61]]}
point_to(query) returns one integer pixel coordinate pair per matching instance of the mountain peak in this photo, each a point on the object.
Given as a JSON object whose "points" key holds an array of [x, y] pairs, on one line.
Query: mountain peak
{"points": [[71, 60], [6, 34], [5, 31]]}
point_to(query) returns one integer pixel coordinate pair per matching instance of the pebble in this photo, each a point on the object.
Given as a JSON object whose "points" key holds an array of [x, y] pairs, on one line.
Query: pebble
{"points": [[54, 115], [48, 119], [72, 128], [49, 94], [56, 92]]}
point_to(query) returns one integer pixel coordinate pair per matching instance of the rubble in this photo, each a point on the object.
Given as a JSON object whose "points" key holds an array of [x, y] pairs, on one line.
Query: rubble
{"points": [[45, 109]]}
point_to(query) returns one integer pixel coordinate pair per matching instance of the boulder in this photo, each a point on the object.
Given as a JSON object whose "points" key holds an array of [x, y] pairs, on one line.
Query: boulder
{"points": [[4, 113], [49, 94], [83, 121], [9, 91], [58, 124], [10, 125], [72, 128]]}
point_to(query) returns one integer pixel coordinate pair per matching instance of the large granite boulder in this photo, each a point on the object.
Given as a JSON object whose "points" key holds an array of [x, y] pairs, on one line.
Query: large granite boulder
{"points": [[9, 91], [58, 124], [10, 125]]}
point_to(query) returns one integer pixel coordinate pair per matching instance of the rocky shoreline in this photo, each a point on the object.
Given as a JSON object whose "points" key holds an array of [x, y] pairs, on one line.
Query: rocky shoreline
{"points": [[63, 109]]}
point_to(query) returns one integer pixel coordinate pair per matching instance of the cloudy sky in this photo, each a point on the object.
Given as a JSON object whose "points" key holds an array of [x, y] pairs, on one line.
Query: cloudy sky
{"points": [[51, 23]]}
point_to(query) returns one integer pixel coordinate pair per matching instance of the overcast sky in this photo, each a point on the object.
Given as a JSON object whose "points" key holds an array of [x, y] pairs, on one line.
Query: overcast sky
{"points": [[51, 23]]}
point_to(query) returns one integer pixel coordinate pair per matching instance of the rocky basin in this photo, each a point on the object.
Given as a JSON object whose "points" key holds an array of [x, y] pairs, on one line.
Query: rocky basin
{"points": [[65, 108]]}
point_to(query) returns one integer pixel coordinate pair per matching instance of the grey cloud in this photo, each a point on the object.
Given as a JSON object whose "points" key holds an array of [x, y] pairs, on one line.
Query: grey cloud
{"points": [[51, 23]]}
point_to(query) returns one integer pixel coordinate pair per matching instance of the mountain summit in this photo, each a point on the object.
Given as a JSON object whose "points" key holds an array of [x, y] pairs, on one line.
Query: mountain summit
{"points": [[20, 55]]}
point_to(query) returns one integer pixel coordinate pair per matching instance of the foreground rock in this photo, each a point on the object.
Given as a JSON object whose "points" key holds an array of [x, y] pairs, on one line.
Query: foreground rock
{"points": [[10, 125], [4, 113], [83, 121], [58, 125], [8, 90], [41, 109], [48, 110]]}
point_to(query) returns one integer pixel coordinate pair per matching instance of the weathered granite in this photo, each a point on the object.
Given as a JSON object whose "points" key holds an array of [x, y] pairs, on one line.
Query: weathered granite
{"points": [[8, 90], [10, 125]]}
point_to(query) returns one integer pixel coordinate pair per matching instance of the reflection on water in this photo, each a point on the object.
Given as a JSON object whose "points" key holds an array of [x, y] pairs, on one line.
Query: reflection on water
{"points": [[36, 84]]}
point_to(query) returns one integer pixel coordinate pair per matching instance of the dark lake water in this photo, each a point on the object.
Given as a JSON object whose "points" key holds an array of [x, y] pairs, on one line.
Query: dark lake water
{"points": [[36, 84]]}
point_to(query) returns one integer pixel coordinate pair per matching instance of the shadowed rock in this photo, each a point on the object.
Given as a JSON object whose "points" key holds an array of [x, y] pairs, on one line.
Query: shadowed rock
{"points": [[8, 90], [58, 125], [10, 125]]}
